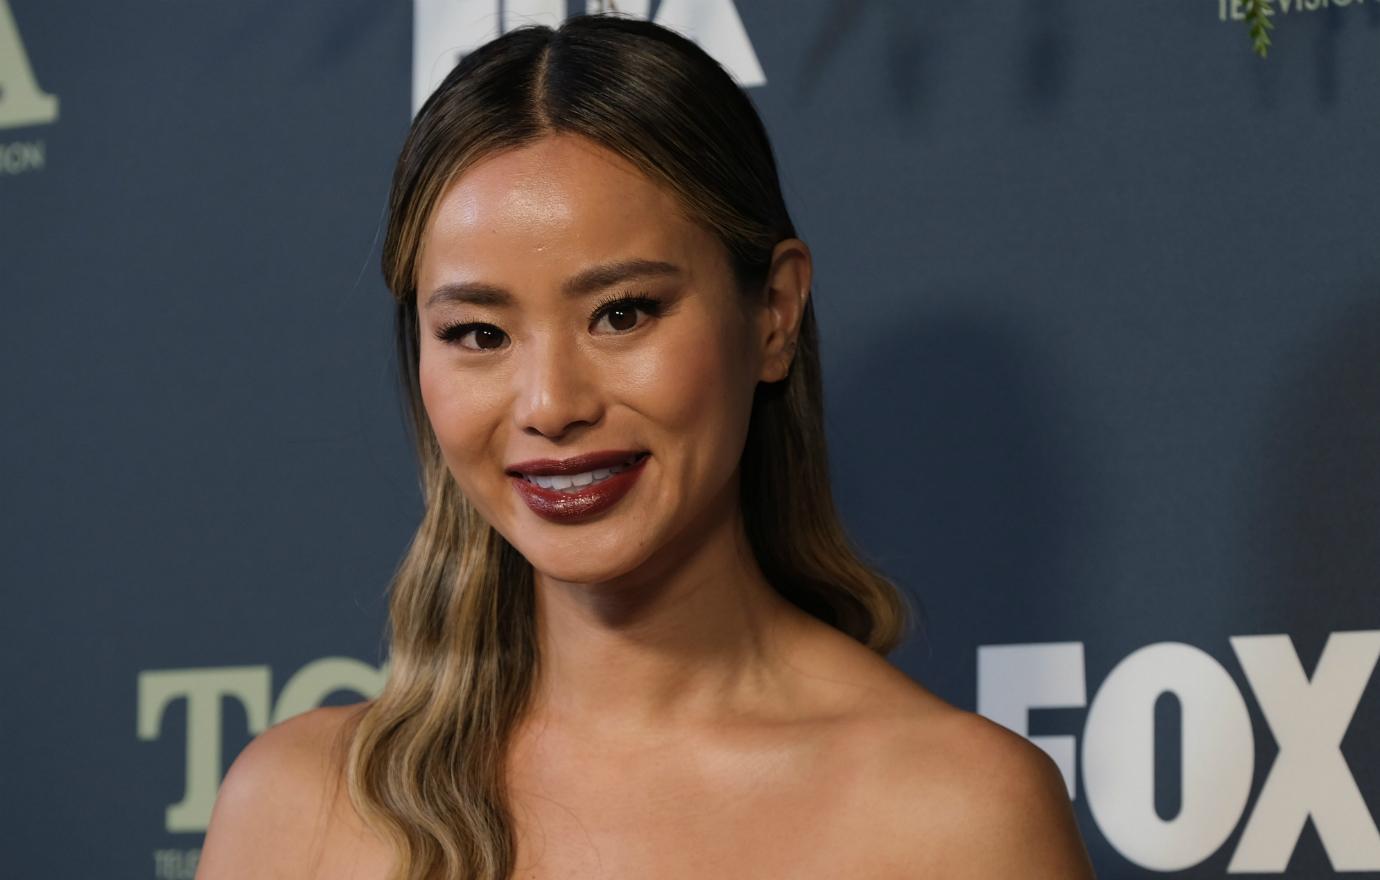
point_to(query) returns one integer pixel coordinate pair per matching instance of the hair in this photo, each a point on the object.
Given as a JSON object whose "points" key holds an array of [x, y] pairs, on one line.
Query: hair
{"points": [[425, 765]]}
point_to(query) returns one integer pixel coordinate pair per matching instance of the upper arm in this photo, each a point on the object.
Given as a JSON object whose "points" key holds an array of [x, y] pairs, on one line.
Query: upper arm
{"points": [[274, 805]]}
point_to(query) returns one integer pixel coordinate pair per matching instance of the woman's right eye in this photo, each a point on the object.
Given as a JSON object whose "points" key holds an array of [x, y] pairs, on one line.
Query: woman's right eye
{"points": [[486, 336]]}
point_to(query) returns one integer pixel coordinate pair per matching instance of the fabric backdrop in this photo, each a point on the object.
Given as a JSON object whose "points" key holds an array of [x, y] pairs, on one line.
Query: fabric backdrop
{"points": [[1099, 294]]}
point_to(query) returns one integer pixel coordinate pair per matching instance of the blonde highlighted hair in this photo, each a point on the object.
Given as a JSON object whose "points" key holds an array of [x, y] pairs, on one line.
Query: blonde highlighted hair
{"points": [[425, 764]]}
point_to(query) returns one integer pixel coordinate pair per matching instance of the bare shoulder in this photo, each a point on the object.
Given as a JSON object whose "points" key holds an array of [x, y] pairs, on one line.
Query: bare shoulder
{"points": [[277, 802], [941, 791], [961, 796]]}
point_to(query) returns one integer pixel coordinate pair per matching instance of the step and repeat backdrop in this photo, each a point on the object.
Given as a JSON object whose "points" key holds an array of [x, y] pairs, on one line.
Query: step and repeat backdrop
{"points": [[1099, 292]]}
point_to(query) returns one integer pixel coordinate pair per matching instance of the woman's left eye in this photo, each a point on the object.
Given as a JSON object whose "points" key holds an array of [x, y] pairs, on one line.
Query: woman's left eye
{"points": [[621, 312]]}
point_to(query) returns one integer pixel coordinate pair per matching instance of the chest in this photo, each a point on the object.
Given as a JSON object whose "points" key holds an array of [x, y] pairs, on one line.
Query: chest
{"points": [[704, 840], [725, 816], [676, 814]]}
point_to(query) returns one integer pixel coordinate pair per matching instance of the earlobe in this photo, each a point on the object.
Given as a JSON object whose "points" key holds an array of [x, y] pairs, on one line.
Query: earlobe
{"points": [[780, 365]]}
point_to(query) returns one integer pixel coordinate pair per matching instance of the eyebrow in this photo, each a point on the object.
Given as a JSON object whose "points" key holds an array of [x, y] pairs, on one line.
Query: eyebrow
{"points": [[480, 293]]}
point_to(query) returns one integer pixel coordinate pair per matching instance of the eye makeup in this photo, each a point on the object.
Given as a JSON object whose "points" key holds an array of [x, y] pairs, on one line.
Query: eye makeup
{"points": [[452, 333], [647, 303]]}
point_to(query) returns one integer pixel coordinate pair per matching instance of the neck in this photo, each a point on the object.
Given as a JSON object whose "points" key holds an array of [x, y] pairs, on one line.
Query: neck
{"points": [[692, 636]]}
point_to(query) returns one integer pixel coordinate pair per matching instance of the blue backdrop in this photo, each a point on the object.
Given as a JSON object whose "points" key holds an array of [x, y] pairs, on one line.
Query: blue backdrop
{"points": [[1099, 285]]}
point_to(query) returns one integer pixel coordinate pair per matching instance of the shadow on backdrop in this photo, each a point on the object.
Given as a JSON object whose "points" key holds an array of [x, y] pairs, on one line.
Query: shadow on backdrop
{"points": [[968, 502]]}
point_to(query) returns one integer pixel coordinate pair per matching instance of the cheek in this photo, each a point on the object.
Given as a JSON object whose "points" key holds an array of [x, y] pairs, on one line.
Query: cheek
{"points": [[457, 409], [696, 384]]}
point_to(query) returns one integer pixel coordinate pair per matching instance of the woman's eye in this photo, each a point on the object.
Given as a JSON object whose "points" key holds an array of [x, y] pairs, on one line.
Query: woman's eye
{"points": [[621, 314], [621, 319], [486, 336]]}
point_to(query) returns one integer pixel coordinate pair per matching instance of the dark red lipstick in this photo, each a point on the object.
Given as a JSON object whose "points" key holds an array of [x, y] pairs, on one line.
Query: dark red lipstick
{"points": [[567, 504]]}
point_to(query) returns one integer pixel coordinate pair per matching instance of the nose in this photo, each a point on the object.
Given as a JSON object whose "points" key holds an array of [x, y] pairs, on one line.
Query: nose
{"points": [[557, 390]]}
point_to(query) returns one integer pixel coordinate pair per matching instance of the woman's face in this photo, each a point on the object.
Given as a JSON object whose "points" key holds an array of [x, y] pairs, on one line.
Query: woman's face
{"points": [[567, 307]]}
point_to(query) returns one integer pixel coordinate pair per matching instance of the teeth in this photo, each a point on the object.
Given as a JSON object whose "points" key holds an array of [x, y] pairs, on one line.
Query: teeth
{"points": [[575, 482]]}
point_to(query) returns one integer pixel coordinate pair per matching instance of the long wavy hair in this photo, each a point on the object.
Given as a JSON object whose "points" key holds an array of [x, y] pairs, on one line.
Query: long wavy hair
{"points": [[425, 763]]}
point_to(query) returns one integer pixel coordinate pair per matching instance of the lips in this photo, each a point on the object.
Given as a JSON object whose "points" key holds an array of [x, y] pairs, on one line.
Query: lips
{"points": [[590, 461], [579, 488]]}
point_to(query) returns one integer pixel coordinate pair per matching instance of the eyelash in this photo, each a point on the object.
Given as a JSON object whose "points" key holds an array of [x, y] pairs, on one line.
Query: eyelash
{"points": [[651, 306], [648, 304]]}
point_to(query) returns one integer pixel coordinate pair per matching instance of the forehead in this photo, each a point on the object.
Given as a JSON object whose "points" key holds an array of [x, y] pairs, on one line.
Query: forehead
{"points": [[554, 206]]}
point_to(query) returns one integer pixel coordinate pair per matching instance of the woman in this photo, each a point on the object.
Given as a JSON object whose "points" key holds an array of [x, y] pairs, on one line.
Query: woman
{"points": [[630, 638]]}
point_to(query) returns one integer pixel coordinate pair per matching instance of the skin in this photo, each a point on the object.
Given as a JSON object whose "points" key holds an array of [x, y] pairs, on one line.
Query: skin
{"points": [[688, 721]]}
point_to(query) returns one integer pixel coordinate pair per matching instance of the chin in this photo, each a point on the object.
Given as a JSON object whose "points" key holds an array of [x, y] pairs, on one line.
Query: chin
{"points": [[579, 572], [581, 562]]}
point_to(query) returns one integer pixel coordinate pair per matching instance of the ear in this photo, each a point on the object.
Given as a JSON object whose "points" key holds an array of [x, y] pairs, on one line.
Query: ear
{"points": [[787, 288]]}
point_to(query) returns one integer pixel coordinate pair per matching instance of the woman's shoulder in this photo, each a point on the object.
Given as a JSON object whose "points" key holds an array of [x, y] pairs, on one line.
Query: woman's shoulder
{"points": [[301, 756], [949, 792], [964, 796], [281, 798]]}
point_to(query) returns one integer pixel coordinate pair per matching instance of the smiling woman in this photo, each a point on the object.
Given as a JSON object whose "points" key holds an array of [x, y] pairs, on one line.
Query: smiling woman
{"points": [[630, 638]]}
